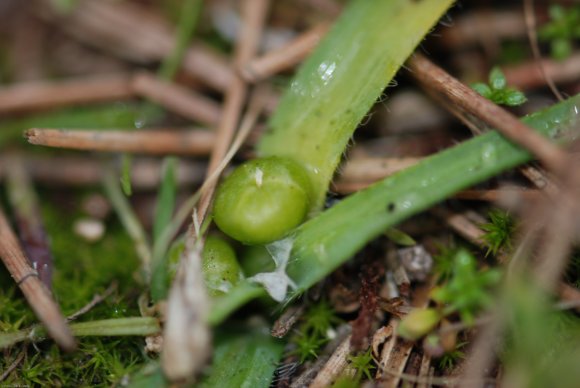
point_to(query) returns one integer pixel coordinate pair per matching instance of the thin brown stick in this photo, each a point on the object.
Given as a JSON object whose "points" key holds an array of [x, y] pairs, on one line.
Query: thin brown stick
{"points": [[534, 174], [461, 224], [497, 195], [97, 298], [254, 14], [540, 179], [39, 95], [284, 57], [528, 75], [81, 171], [482, 354], [530, 18], [329, 7], [194, 142], [372, 169], [177, 99], [28, 219], [13, 365], [131, 31], [286, 321], [424, 371], [433, 76], [34, 291], [469, 28], [335, 365]]}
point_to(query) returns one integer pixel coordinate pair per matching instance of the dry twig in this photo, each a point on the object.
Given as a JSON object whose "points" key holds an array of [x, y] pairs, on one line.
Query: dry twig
{"points": [[39, 95], [434, 77], [528, 75], [98, 298], [334, 367], [194, 142], [28, 219], [533, 38], [132, 31], [13, 365], [35, 292], [80, 171], [284, 57], [178, 99]]}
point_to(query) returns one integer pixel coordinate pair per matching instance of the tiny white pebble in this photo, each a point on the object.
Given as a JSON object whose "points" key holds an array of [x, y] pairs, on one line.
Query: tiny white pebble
{"points": [[89, 229], [259, 176]]}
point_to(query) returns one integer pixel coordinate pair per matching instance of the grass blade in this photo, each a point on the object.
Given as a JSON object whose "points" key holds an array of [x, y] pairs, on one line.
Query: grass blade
{"points": [[163, 215], [327, 241], [335, 88]]}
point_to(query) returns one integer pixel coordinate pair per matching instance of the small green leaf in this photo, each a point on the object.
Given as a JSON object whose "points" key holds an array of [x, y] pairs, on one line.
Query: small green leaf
{"points": [[418, 323], [514, 98], [399, 237], [561, 48], [482, 89], [126, 175], [498, 231], [467, 292], [363, 363], [556, 12], [165, 198], [497, 79]]}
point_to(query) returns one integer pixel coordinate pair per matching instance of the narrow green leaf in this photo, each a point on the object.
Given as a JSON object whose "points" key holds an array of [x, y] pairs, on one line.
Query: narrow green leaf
{"points": [[128, 219], [399, 237], [245, 359], [126, 161], [190, 11], [337, 85], [166, 197], [328, 240]]}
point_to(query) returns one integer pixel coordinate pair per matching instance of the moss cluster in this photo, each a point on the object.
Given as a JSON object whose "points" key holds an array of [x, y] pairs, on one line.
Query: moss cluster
{"points": [[81, 270]]}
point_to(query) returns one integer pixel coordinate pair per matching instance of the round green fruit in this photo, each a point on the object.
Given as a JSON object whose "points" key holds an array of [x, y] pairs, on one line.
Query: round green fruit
{"points": [[221, 270], [262, 200]]}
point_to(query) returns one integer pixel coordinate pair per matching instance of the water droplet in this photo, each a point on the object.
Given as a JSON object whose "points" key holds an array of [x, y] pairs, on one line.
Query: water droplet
{"points": [[488, 154], [326, 71], [139, 123]]}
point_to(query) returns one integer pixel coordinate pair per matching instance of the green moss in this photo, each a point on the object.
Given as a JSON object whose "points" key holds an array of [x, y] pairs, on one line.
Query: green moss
{"points": [[81, 270]]}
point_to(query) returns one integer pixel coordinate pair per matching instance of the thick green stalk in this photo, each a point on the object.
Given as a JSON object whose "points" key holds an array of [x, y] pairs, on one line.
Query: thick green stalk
{"points": [[335, 88], [328, 240], [107, 327]]}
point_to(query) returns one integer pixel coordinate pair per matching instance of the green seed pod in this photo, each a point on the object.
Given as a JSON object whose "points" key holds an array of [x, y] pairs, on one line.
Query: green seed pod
{"points": [[221, 270], [256, 259], [262, 200], [418, 323]]}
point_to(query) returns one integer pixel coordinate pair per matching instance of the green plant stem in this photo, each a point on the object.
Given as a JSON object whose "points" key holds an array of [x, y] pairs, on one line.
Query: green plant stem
{"points": [[163, 215], [327, 241], [190, 12], [140, 326], [128, 219], [335, 88]]}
